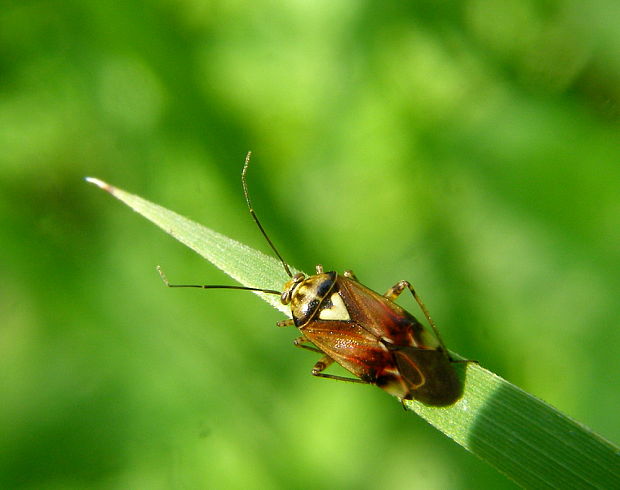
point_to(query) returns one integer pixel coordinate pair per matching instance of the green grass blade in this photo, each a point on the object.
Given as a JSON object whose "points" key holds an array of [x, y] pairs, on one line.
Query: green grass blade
{"points": [[523, 437], [244, 264], [526, 439]]}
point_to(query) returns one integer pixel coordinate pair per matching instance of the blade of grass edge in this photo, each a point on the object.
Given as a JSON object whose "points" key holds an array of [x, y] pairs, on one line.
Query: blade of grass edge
{"points": [[247, 266], [526, 439]]}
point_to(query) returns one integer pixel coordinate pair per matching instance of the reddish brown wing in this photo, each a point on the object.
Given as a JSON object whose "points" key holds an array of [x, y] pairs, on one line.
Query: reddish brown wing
{"points": [[351, 346], [384, 318], [385, 345]]}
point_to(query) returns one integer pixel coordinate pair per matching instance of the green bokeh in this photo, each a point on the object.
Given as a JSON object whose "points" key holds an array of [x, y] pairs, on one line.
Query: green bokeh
{"points": [[470, 147]]}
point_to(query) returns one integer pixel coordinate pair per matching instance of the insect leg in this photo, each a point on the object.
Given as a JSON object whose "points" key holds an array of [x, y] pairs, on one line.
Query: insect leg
{"points": [[323, 363], [350, 275], [395, 291], [302, 341], [285, 323]]}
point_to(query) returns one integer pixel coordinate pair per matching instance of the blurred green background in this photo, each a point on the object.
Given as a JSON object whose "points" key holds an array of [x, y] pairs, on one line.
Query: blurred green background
{"points": [[470, 147]]}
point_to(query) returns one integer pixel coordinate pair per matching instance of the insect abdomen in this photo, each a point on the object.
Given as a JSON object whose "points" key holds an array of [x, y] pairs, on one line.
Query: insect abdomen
{"points": [[428, 375]]}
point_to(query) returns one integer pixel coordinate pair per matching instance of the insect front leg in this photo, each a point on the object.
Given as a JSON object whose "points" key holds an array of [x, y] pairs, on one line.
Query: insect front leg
{"points": [[350, 275]]}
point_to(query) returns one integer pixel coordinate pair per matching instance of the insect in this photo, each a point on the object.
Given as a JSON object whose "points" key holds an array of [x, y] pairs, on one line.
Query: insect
{"points": [[368, 334]]}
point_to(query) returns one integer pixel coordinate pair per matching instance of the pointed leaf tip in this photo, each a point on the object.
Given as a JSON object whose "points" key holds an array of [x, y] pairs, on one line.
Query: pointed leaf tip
{"points": [[99, 183]]}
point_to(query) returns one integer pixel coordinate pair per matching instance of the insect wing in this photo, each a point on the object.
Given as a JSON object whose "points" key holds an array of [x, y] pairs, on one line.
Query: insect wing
{"points": [[383, 317], [350, 345], [429, 377]]}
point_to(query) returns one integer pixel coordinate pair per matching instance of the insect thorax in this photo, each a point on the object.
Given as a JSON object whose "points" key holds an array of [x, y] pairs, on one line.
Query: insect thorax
{"points": [[312, 297]]}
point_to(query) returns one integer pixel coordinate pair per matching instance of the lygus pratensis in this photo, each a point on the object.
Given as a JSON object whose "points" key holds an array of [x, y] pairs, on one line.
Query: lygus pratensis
{"points": [[368, 334]]}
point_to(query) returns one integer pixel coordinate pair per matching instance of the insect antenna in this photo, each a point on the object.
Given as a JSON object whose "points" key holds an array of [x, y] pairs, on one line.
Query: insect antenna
{"points": [[210, 286], [260, 227]]}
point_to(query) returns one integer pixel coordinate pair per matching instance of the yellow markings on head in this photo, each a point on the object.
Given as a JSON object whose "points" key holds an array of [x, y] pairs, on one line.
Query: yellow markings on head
{"points": [[334, 309]]}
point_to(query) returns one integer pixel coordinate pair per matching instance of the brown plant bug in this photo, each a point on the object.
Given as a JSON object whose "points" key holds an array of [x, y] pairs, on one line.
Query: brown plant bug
{"points": [[368, 334]]}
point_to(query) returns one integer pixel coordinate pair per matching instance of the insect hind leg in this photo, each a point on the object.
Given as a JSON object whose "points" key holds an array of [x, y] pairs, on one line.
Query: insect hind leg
{"points": [[323, 363], [396, 290]]}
